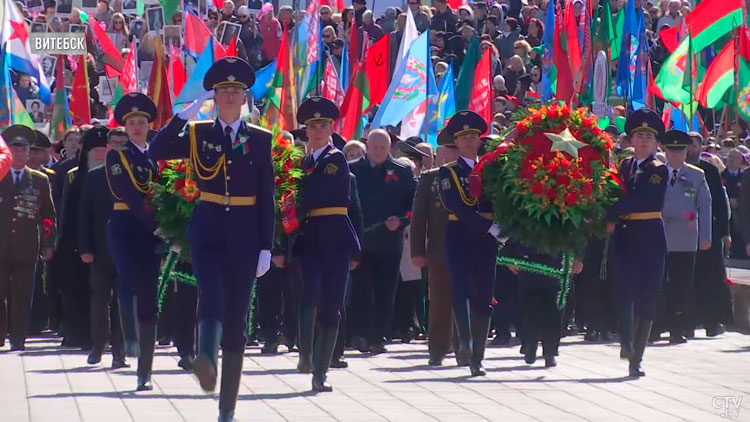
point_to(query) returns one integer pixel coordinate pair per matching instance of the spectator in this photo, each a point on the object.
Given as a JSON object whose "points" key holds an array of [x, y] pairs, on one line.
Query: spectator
{"points": [[270, 31], [445, 19], [523, 49], [374, 31], [227, 12], [513, 71], [103, 12], [286, 18], [26, 89], [354, 150], [212, 19], [536, 32], [498, 82], [388, 21], [250, 37], [506, 41], [672, 17], [326, 17], [120, 35]]}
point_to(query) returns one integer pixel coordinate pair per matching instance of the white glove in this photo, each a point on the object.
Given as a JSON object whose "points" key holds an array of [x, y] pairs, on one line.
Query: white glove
{"points": [[264, 263], [188, 112], [494, 231], [175, 248]]}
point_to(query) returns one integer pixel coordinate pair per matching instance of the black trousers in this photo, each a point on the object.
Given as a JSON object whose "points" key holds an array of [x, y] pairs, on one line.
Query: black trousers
{"points": [[276, 305], [105, 312], [508, 309], [178, 317], [76, 304], [39, 305], [595, 296], [373, 295], [713, 301], [676, 298], [542, 318], [16, 293], [409, 298]]}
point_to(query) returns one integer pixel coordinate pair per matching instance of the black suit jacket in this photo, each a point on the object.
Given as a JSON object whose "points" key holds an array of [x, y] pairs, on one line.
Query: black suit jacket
{"points": [[94, 210], [719, 200]]}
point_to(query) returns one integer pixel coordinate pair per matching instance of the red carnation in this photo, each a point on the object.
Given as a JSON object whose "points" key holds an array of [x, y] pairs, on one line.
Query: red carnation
{"points": [[179, 184], [521, 128], [587, 189], [551, 193], [537, 119], [565, 163], [563, 180], [537, 189], [571, 198]]}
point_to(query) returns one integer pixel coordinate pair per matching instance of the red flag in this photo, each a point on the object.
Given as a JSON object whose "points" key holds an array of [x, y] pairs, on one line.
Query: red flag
{"points": [[113, 61], [744, 43], [128, 79], [353, 45], [376, 71], [330, 87], [177, 71], [219, 51], [564, 78], [481, 93], [352, 105], [571, 28], [158, 88], [80, 109], [232, 47], [197, 34], [456, 4]]}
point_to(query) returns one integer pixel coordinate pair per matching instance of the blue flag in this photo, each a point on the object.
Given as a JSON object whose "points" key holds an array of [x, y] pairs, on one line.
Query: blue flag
{"points": [[442, 106], [263, 80], [194, 86], [548, 43], [628, 51], [344, 70], [408, 88]]}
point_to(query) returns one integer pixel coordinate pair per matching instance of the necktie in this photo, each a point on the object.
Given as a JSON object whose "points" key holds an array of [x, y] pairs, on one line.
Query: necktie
{"points": [[634, 168], [16, 176], [228, 133], [674, 177]]}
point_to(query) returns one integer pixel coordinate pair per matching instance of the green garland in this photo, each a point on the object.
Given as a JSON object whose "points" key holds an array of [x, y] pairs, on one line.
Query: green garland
{"points": [[168, 274], [561, 274]]}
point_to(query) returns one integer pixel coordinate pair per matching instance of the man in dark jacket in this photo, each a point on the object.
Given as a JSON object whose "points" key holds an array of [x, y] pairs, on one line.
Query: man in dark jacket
{"points": [[386, 192], [93, 214]]}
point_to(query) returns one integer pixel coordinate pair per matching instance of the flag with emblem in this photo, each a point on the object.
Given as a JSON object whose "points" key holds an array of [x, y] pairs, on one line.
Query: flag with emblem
{"points": [[158, 88], [408, 88], [442, 106], [60, 113], [113, 61], [263, 80], [177, 74], [15, 42]]}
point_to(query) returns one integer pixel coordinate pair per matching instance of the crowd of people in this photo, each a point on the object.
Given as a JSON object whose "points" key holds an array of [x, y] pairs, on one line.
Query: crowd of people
{"points": [[397, 251]]}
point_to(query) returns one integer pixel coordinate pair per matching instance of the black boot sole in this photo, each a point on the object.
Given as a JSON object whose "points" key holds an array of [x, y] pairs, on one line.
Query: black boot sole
{"points": [[206, 373]]}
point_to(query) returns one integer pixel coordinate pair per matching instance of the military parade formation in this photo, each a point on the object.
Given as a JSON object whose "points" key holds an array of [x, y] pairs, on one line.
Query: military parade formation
{"points": [[338, 278]]}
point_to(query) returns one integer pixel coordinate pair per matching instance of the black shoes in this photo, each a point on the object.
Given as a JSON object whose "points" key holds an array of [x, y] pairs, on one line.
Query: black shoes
{"points": [[119, 362], [231, 373], [186, 363], [146, 356], [205, 365], [550, 362], [715, 330], [529, 354], [270, 348], [677, 339], [339, 363], [95, 356], [435, 361]]}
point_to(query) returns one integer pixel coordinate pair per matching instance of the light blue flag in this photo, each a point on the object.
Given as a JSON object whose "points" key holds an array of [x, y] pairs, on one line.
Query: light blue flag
{"points": [[547, 59], [194, 86], [263, 80], [408, 88], [442, 106], [344, 70]]}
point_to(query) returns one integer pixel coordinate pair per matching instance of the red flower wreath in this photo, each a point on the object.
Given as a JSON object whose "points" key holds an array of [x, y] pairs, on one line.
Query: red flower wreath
{"points": [[551, 185]]}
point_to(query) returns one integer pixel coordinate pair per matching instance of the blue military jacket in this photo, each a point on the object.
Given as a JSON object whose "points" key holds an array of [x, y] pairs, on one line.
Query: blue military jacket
{"points": [[474, 213], [129, 173], [221, 167], [327, 184], [644, 188]]}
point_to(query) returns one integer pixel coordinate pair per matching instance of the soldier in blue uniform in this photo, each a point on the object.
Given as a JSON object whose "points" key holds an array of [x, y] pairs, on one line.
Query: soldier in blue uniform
{"points": [[327, 241], [470, 242], [131, 227], [639, 238], [231, 231]]}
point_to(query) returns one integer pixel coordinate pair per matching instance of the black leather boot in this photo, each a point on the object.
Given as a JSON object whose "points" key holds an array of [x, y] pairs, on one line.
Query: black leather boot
{"points": [[642, 331], [480, 328], [307, 315], [146, 356], [529, 351], [231, 373], [677, 329], [324, 345], [626, 333], [463, 332], [205, 364]]}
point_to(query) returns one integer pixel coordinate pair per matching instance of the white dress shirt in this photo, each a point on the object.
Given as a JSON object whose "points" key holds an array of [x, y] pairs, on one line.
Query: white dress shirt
{"points": [[234, 125]]}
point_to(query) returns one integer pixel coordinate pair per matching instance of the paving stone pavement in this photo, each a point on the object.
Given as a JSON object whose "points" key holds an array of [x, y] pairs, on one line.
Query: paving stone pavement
{"points": [[704, 380]]}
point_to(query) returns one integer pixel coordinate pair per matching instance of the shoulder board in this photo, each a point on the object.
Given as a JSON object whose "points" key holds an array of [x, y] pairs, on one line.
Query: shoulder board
{"points": [[692, 167], [121, 148], [657, 163], [201, 123], [48, 171], [72, 174], [37, 173], [451, 164], [99, 167], [431, 171], [333, 151], [259, 129]]}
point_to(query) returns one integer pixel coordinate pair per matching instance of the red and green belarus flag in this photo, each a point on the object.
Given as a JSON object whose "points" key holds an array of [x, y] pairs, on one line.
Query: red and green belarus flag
{"points": [[718, 79], [708, 22]]}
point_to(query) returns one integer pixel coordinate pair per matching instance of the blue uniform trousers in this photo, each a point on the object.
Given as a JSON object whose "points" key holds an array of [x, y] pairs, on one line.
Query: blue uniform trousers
{"points": [[471, 262], [324, 275], [133, 251], [639, 265]]}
